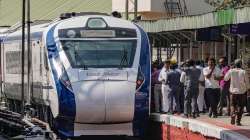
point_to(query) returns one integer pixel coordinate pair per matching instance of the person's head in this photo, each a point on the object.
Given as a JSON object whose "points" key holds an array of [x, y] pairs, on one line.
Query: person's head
{"points": [[173, 63], [198, 63], [232, 65], [238, 63], [223, 61], [167, 64], [190, 63], [211, 62], [154, 67], [116, 14]]}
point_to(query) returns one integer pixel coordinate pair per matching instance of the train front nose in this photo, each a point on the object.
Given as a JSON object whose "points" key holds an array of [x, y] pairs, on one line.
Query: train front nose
{"points": [[104, 98]]}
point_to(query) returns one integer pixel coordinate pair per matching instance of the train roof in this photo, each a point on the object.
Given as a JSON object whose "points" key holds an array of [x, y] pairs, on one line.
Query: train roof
{"points": [[81, 21], [75, 21], [36, 31]]}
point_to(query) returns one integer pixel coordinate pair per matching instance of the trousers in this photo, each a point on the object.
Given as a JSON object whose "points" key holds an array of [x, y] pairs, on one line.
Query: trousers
{"points": [[157, 97], [190, 101]]}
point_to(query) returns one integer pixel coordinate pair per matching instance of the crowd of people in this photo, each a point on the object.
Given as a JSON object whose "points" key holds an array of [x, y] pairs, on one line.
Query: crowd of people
{"points": [[195, 87]]}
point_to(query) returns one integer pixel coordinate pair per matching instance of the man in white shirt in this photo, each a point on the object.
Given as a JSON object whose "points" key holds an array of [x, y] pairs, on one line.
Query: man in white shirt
{"points": [[164, 87], [201, 99], [239, 85], [212, 76]]}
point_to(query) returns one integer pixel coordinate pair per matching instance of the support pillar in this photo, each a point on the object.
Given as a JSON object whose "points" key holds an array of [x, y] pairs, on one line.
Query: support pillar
{"points": [[202, 50], [211, 49], [179, 53], [229, 53], [225, 47], [191, 50], [215, 51], [238, 47], [243, 48], [199, 51]]}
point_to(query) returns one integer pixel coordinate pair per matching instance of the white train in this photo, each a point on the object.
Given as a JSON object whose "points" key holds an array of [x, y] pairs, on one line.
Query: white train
{"points": [[90, 75]]}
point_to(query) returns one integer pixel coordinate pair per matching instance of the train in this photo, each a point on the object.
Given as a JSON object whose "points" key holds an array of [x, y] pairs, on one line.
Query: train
{"points": [[90, 74]]}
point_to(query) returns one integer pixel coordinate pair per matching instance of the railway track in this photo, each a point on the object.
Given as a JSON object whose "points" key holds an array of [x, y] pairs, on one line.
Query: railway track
{"points": [[14, 126]]}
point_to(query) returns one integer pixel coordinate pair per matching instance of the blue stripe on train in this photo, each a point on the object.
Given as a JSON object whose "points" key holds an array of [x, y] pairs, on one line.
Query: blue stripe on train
{"points": [[67, 107], [141, 114]]}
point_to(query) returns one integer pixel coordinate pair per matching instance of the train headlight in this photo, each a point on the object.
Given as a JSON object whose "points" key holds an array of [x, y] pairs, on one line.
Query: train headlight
{"points": [[71, 33], [96, 23], [140, 79]]}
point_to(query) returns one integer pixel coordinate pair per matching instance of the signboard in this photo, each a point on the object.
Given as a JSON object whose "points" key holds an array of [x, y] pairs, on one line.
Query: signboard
{"points": [[242, 28], [97, 33], [209, 34]]}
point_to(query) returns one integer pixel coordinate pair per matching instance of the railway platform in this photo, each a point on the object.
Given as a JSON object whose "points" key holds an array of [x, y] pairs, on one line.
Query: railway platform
{"points": [[171, 127]]}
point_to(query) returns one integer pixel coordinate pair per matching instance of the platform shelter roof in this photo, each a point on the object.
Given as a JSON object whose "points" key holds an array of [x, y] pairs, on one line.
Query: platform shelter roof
{"points": [[216, 18]]}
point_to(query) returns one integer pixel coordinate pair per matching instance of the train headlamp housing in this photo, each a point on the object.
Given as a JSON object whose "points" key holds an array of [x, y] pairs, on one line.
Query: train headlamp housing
{"points": [[96, 23], [71, 33], [140, 79]]}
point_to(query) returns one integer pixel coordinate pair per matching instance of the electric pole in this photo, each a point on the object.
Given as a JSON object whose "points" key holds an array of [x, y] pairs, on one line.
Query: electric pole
{"points": [[23, 58]]}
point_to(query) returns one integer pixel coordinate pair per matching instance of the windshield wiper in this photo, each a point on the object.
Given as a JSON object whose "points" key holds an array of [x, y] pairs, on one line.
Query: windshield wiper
{"points": [[77, 56], [124, 59]]}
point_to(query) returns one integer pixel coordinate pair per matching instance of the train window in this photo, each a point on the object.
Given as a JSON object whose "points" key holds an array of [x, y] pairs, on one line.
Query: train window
{"points": [[100, 53], [45, 59], [13, 62]]}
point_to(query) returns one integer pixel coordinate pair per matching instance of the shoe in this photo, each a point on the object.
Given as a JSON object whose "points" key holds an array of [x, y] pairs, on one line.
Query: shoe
{"points": [[198, 115], [185, 115], [226, 114], [238, 124], [177, 113], [219, 114], [170, 113], [193, 116], [232, 120], [210, 115], [247, 114]]}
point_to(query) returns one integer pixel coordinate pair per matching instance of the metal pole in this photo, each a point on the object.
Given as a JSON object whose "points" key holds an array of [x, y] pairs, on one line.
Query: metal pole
{"points": [[179, 52], [23, 49], [202, 51], [244, 43], [29, 52], [126, 9], [224, 47], [229, 55], [1, 74], [136, 10], [215, 51], [238, 47], [191, 49]]}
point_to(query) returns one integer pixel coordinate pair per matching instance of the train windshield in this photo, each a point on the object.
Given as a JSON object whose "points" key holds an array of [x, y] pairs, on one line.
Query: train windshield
{"points": [[100, 53]]}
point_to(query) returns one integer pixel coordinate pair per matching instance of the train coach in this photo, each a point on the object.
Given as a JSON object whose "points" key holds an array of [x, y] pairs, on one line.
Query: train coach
{"points": [[90, 75]]}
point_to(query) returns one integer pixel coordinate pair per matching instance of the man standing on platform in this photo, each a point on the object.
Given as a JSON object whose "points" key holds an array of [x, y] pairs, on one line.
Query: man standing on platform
{"points": [[212, 76], [224, 85], [191, 77], [156, 85], [173, 81], [239, 85], [164, 87]]}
